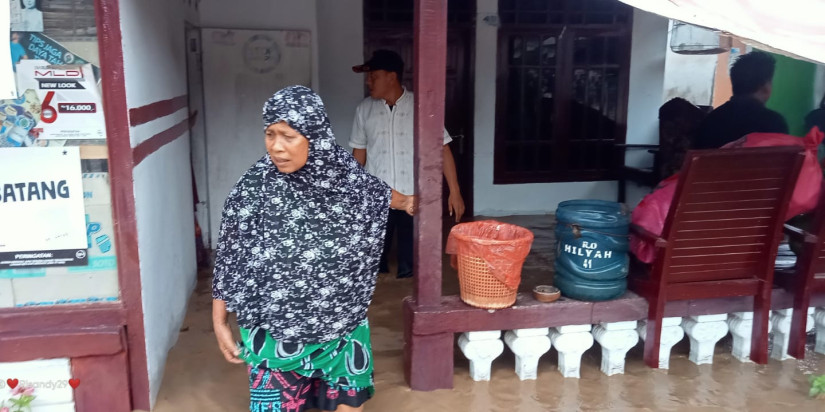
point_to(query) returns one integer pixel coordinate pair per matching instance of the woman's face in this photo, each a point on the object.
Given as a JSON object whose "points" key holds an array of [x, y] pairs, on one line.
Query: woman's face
{"points": [[29, 4], [287, 148]]}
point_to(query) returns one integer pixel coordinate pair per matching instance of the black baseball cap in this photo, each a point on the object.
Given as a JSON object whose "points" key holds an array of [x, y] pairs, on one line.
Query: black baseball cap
{"points": [[382, 60]]}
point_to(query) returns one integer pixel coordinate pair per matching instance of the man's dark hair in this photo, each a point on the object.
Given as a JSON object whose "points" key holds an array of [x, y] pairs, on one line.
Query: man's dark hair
{"points": [[751, 71]]}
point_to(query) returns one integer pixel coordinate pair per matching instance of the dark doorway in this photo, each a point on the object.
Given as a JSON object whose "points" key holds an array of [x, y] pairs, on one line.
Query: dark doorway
{"points": [[389, 25]]}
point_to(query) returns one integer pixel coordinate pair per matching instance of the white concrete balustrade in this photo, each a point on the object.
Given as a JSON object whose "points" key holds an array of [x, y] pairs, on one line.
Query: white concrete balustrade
{"points": [[781, 324], [672, 333], [528, 345], [741, 328], [481, 348], [705, 332], [819, 324], [617, 338], [571, 342]]}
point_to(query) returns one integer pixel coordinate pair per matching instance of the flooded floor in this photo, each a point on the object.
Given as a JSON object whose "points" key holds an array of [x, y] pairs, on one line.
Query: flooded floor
{"points": [[198, 379]]}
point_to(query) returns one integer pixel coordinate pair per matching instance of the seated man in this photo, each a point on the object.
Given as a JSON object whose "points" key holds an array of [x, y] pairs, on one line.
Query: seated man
{"points": [[751, 77]]}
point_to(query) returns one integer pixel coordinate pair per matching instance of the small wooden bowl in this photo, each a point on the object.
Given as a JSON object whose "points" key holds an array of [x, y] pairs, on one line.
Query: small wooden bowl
{"points": [[546, 293]]}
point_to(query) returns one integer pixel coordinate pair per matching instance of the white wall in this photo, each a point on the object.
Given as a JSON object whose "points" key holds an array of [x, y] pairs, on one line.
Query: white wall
{"points": [[264, 15], [340, 46], [155, 69], [647, 78], [689, 76], [337, 37], [646, 82]]}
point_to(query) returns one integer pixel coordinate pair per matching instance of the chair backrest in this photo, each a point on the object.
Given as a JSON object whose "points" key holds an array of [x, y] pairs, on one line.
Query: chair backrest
{"points": [[726, 218], [678, 121], [818, 251]]}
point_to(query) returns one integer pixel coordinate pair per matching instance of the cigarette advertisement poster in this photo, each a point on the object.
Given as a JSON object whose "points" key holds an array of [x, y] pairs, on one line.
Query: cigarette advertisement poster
{"points": [[67, 97], [42, 215], [38, 46]]}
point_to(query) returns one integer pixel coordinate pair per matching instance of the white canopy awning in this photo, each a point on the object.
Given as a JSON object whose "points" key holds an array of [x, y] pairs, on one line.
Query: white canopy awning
{"points": [[792, 27]]}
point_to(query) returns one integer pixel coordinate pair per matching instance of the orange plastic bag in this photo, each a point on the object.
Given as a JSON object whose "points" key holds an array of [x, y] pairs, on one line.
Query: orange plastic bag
{"points": [[501, 245]]}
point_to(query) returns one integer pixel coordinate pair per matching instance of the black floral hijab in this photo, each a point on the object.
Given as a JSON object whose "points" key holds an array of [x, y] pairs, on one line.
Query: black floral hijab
{"points": [[298, 253]]}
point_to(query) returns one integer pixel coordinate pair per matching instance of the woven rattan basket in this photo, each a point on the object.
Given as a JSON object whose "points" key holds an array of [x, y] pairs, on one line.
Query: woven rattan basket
{"points": [[480, 288]]}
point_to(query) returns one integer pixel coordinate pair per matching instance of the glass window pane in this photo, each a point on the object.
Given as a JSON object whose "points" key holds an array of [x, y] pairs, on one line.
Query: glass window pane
{"points": [[512, 158], [545, 158], [612, 86], [62, 32], [598, 18], [514, 103], [506, 5], [594, 89], [548, 83], [531, 51], [532, 18], [580, 85], [532, 5], [532, 95], [600, 6], [555, 5], [574, 161], [507, 17], [580, 51], [375, 16], [596, 50], [555, 18], [613, 46], [575, 18], [575, 5], [516, 50], [548, 51], [547, 106]]}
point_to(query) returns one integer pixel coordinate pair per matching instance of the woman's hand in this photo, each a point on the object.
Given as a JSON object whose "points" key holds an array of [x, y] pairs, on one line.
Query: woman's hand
{"points": [[410, 205], [407, 203], [223, 332]]}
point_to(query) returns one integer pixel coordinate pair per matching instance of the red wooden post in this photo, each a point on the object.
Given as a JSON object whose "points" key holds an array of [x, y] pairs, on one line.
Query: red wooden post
{"points": [[102, 383], [430, 47], [121, 163], [428, 359]]}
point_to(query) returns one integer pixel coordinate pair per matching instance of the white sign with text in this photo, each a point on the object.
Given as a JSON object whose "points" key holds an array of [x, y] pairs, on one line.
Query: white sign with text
{"points": [[42, 216]]}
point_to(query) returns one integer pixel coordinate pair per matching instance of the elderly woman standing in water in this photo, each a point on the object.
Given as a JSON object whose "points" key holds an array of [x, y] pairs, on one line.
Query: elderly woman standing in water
{"points": [[297, 260]]}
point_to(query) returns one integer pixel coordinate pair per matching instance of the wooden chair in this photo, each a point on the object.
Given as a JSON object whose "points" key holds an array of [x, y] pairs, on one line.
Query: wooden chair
{"points": [[678, 121], [806, 278], [720, 237]]}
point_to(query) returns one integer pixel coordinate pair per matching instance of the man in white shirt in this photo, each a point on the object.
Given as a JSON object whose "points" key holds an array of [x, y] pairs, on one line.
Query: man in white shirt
{"points": [[382, 141]]}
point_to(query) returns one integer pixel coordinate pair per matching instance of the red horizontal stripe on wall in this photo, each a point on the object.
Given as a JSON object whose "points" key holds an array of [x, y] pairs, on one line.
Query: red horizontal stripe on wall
{"points": [[156, 110], [152, 144]]}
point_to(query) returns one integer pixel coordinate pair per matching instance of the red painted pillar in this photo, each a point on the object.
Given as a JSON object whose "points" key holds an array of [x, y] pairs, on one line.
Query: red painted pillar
{"points": [[428, 359], [121, 163], [430, 47]]}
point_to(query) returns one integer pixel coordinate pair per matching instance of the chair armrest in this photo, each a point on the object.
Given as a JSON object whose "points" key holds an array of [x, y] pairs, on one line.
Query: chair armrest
{"points": [[648, 235], [798, 234]]}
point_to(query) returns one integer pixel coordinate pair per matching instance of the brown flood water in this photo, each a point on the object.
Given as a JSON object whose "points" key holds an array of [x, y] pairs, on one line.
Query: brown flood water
{"points": [[198, 379]]}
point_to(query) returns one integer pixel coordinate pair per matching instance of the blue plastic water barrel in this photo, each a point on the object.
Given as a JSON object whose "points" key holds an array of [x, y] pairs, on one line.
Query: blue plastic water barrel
{"points": [[591, 250], [589, 290]]}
